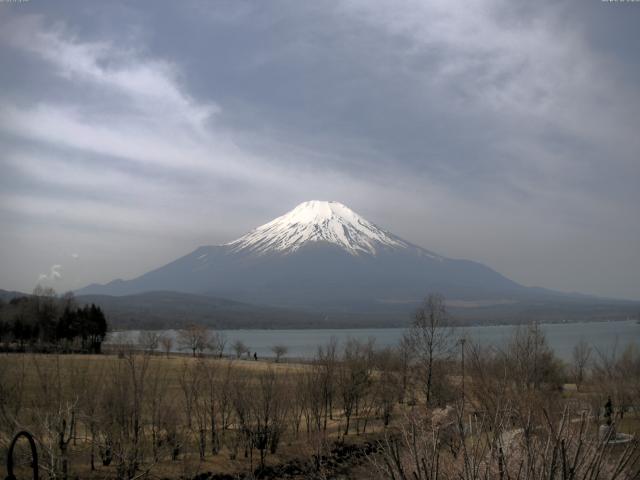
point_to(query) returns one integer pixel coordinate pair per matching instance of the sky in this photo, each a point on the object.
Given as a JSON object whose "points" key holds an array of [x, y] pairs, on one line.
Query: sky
{"points": [[505, 132]]}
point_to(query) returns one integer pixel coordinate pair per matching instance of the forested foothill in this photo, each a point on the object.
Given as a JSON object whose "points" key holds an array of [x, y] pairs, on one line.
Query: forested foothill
{"points": [[45, 322]]}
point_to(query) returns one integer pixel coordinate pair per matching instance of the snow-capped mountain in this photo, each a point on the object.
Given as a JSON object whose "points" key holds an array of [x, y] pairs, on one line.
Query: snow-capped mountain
{"points": [[318, 221], [322, 256]]}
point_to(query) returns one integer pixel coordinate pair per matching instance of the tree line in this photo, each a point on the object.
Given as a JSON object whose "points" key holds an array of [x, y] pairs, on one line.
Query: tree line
{"points": [[47, 322]]}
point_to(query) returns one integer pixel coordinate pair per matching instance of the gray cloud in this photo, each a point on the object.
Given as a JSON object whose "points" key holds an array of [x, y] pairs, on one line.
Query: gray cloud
{"points": [[499, 131]]}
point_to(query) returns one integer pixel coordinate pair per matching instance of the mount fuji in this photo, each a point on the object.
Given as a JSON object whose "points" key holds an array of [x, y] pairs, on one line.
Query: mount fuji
{"points": [[325, 257]]}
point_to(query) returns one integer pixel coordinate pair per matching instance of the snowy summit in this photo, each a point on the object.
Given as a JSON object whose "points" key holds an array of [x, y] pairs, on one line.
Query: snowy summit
{"points": [[318, 221]]}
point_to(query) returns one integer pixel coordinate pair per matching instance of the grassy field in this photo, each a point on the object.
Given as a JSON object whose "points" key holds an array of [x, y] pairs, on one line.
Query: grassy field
{"points": [[132, 414], [42, 390]]}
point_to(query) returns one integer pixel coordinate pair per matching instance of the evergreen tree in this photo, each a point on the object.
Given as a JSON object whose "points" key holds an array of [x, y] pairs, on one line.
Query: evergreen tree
{"points": [[49, 320]]}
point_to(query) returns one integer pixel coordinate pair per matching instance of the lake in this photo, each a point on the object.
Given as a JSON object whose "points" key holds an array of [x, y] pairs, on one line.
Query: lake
{"points": [[562, 337]]}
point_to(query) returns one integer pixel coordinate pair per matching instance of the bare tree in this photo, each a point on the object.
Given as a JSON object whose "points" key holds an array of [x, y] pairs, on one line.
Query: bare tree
{"points": [[224, 399], [57, 417], [190, 383], [122, 342], [581, 356], [431, 336], [218, 343], [166, 343], [556, 449], [388, 385], [195, 338], [327, 360], [354, 378], [239, 348], [202, 406], [617, 376], [262, 412], [149, 340], [298, 401], [211, 374], [405, 356], [123, 426], [157, 407], [313, 401], [279, 351], [531, 360]]}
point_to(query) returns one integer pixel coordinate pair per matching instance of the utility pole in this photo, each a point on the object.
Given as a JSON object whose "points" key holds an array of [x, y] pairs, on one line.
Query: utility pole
{"points": [[461, 413], [462, 342]]}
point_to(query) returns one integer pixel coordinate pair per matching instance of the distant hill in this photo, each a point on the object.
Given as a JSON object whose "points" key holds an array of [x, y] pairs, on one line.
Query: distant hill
{"points": [[168, 310], [164, 310], [7, 295]]}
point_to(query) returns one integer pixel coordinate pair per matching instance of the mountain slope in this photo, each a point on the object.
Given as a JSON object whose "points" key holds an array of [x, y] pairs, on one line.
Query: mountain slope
{"points": [[321, 256]]}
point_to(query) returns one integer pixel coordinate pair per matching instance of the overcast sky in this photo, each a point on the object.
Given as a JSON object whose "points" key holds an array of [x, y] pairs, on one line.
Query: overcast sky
{"points": [[504, 132]]}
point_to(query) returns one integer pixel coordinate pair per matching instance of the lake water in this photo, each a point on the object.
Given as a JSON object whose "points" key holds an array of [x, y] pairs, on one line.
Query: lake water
{"points": [[562, 337]]}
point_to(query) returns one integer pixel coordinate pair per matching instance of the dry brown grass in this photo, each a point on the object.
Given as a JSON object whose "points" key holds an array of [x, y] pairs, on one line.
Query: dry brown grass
{"points": [[46, 379]]}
